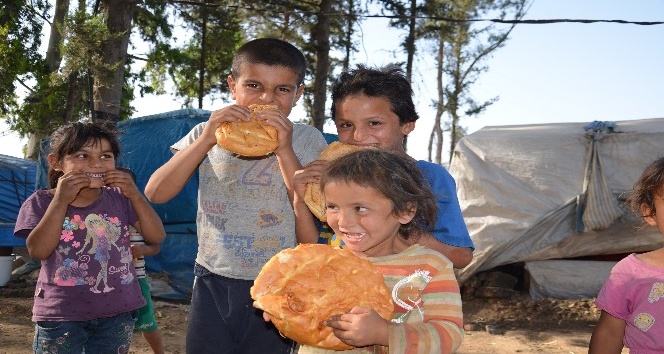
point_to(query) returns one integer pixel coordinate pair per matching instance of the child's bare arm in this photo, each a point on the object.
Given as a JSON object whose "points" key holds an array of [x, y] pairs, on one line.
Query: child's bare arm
{"points": [[148, 221], [305, 226], [607, 338], [169, 179], [460, 256], [147, 249], [288, 161]]}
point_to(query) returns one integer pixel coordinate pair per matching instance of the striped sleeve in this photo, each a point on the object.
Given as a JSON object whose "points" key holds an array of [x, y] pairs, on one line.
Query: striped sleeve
{"points": [[428, 315]]}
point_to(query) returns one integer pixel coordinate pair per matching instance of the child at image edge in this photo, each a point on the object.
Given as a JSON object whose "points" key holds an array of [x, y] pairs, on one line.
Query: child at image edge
{"points": [[374, 107], [375, 214], [632, 298], [245, 213], [87, 296]]}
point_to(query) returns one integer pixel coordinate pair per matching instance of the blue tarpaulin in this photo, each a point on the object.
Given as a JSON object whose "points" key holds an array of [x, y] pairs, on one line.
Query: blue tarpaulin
{"points": [[17, 182]]}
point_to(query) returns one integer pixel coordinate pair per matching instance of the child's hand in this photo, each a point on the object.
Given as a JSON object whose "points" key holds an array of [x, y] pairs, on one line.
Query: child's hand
{"points": [[360, 327], [310, 174], [70, 184], [282, 124], [232, 113], [137, 251], [124, 181]]}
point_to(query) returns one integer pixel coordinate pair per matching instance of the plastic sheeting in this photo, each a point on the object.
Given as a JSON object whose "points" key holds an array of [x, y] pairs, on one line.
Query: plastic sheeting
{"points": [[518, 188], [17, 182], [567, 279]]}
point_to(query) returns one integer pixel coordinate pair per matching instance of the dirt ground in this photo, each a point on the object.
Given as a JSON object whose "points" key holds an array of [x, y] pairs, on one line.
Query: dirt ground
{"points": [[499, 317], [517, 324]]}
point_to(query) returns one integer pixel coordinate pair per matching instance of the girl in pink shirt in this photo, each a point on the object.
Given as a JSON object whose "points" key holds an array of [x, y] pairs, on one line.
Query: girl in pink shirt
{"points": [[632, 299]]}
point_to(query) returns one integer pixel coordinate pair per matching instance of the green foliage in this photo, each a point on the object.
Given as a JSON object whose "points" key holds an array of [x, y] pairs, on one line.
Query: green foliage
{"points": [[20, 61], [182, 63], [82, 49]]}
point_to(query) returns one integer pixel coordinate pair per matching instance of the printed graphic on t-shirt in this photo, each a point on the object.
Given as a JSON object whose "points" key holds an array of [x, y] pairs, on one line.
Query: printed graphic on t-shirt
{"points": [[644, 321], [407, 294], [656, 293], [87, 264], [259, 174]]}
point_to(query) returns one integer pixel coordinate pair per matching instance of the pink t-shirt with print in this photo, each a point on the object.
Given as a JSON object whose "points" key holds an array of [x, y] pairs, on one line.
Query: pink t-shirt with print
{"points": [[634, 292]]}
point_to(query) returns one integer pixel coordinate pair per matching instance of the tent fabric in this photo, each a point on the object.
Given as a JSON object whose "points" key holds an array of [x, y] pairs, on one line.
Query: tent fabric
{"points": [[597, 207], [567, 279], [519, 188], [17, 182]]}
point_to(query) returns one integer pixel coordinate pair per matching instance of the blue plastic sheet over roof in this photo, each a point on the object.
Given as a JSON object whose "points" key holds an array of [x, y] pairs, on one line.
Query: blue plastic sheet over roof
{"points": [[17, 182]]}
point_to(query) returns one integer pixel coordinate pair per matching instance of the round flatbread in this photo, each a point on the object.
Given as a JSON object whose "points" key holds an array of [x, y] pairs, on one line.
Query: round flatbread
{"points": [[313, 196], [250, 138], [301, 287]]}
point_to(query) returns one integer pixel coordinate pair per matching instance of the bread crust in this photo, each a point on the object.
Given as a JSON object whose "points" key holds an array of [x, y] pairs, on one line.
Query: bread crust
{"points": [[248, 138], [313, 196], [301, 287]]}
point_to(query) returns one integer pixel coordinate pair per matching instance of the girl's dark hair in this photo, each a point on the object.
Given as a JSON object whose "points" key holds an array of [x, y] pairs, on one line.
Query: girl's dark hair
{"points": [[396, 177], [388, 82], [271, 52], [647, 187], [71, 137]]}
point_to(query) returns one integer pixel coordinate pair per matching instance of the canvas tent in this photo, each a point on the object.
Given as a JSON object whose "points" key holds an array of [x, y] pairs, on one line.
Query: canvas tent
{"points": [[17, 182], [532, 193]]}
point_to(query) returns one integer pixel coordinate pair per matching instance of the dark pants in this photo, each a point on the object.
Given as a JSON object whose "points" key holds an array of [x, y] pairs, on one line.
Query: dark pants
{"points": [[222, 319]]}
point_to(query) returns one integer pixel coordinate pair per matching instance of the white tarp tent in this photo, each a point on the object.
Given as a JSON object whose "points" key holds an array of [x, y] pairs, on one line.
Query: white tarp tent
{"points": [[553, 191]]}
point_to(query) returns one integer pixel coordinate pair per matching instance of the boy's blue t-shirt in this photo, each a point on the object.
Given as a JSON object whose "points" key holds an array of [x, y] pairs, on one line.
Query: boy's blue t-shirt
{"points": [[450, 228]]}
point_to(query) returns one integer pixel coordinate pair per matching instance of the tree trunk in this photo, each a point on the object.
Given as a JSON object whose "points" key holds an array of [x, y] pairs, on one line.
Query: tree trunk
{"points": [[440, 107], [350, 20], [201, 63], [53, 60], [410, 40], [53, 56], [322, 40], [107, 91]]}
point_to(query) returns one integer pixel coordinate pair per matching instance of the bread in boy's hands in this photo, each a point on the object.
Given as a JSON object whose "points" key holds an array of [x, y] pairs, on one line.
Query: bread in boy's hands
{"points": [[301, 287], [248, 138], [313, 196]]}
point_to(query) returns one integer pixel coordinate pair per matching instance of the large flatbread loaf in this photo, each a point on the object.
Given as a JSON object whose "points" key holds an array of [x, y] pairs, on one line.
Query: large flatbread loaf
{"points": [[250, 138], [301, 287], [313, 196]]}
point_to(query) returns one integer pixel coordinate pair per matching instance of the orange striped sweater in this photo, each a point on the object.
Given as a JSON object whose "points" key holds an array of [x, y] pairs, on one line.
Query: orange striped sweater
{"points": [[427, 305]]}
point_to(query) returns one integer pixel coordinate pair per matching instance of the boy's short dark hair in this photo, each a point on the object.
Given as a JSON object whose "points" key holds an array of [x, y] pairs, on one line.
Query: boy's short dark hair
{"points": [[272, 52], [388, 82]]}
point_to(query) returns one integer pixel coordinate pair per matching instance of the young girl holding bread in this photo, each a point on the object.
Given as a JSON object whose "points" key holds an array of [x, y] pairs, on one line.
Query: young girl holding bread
{"points": [[376, 200], [87, 296]]}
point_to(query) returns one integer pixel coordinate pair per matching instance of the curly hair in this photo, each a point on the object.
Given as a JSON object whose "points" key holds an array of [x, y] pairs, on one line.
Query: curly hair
{"points": [[647, 187], [396, 177]]}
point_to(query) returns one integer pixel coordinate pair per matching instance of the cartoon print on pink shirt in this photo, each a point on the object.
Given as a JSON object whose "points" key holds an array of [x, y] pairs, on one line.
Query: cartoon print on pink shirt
{"points": [[102, 235]]}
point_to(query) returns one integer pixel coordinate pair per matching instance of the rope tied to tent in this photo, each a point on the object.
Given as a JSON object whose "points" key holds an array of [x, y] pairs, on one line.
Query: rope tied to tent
{"points": [[597, 208]]}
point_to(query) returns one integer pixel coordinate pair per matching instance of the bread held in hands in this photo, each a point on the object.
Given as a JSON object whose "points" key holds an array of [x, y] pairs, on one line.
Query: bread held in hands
{"points": [[301, 287], [248, 138]]}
